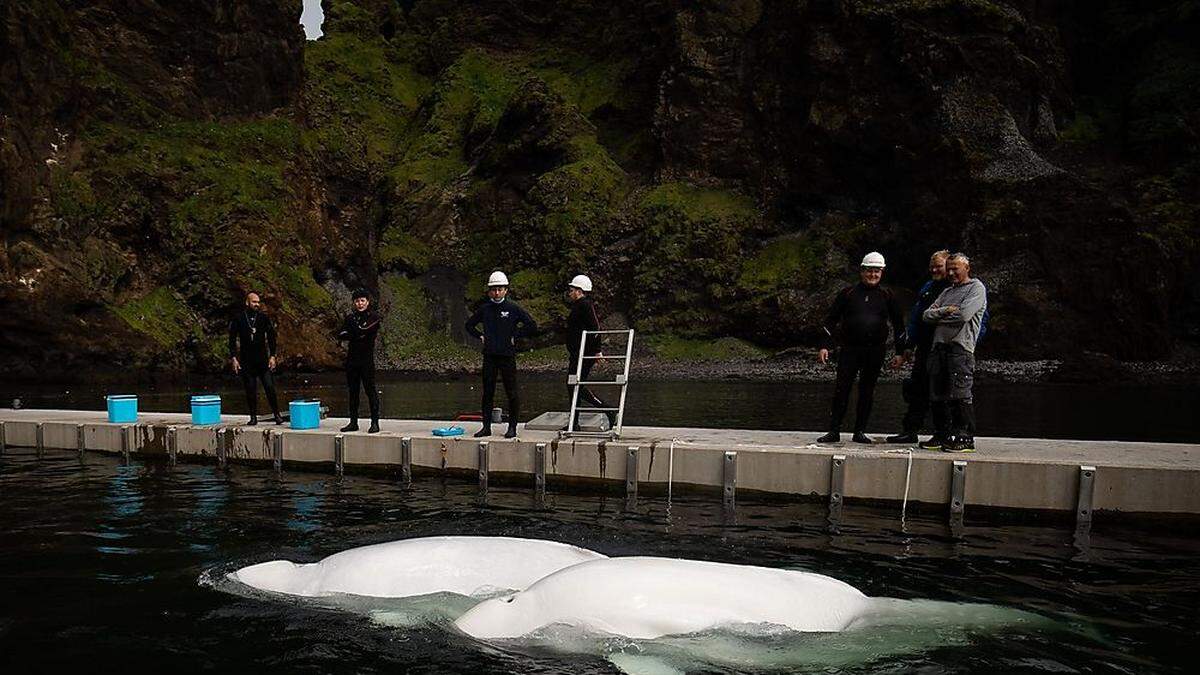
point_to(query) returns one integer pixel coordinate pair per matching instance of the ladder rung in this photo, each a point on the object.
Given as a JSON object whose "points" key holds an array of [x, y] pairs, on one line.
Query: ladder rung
{"points": [[597, 409], [605, 332], [606, 358], [610, 382]]}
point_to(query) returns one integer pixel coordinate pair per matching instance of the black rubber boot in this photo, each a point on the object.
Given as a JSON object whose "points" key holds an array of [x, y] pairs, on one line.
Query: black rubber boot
{"points": [[512, 431], [278, 418], [353, 426], [831, 437], [860, 437], [374, 429], [484, 432], [253, 421], [906, 437]]}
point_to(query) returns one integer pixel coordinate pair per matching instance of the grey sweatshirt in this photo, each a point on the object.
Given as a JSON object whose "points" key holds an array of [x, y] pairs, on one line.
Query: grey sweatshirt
{"points": [[959, 327]]}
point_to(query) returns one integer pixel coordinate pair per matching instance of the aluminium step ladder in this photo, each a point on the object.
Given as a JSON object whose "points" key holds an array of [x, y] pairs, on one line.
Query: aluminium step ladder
{"points": [[574, 380]]}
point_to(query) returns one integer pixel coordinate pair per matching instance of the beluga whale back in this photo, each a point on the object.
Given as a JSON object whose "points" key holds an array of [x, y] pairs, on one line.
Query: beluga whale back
{"points": [[412, 567], [644, 597]]}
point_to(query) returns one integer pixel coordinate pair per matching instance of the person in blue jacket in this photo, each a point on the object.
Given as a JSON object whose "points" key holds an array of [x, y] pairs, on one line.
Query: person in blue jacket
{"points": [[503, 322]]}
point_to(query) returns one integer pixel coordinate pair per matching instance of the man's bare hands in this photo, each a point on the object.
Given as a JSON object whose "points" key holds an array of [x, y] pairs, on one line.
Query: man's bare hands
{"points": [[237, 367], [823, 356], [897, 361], [271, 363]]}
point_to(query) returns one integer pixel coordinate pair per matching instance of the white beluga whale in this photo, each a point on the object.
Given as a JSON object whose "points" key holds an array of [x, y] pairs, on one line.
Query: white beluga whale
{"points": [[470, 566], [643, 597]]}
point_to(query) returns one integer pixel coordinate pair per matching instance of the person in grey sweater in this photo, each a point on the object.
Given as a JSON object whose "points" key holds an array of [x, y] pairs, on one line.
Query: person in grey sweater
{"points": [[957, 315]]}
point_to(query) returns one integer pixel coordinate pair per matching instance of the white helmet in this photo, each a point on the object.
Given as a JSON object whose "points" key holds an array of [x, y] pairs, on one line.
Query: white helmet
{"points": [[582, 282], [873, 259], [498, 278]]}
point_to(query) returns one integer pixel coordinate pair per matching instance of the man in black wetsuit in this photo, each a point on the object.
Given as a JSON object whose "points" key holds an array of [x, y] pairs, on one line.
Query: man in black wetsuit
{"points": [[583, 317], [920, 338], [861, 313], [359, 330], [252, 353], [503, 322]]}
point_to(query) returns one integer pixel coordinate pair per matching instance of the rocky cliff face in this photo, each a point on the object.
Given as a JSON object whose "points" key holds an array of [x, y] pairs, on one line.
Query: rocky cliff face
{"points": [[717, 168]]}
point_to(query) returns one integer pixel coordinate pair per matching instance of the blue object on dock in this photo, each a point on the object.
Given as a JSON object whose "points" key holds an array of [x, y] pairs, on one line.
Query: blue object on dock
{"points": [[122, 408], [305, 414], [206, 409], [448, 431]]}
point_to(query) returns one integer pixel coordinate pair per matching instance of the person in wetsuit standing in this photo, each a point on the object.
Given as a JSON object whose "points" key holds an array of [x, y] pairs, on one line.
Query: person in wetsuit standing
{"points": [[252, 354], [503, 322], [582, 318], [359, 330], [861, 314]]}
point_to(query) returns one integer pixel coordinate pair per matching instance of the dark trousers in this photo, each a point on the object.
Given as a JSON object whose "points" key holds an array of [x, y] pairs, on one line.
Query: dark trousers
{"points": [[587, 399], [863, 362], [362, 374], [505, 367], [951, 379], [916, 391], [250, 382]]}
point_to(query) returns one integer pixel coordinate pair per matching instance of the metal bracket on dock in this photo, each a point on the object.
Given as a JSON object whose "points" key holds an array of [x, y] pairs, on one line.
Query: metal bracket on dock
{"points": [[958, 485], [219, 434], [1087, 488], [837, 485], [125, 443], [172, 444], [631, 479], [406, 460], [339, 454], [80, 440], [483, 466], [277, 451], [39, 436], [729, 480], [539, 474], [3, 441]]}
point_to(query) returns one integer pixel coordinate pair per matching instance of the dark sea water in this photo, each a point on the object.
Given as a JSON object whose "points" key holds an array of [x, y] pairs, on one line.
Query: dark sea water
{"points": [[111, 567], [1118, 412]]}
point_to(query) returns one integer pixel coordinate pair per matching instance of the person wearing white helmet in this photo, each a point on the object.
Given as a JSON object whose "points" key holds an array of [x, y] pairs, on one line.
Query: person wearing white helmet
{"points": [[503, 322], [858, 324], [583, 317]]}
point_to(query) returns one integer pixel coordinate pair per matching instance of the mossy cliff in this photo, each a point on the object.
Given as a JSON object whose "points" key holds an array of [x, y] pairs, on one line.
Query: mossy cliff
{"points": [[717, 168]]}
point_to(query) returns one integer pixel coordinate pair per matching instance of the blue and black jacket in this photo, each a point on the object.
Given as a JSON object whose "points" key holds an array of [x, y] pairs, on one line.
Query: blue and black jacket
{"points": [[503, 323]]}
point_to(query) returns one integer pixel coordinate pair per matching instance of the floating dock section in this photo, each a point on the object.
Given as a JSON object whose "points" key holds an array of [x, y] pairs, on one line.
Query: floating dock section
{"points": [[1079, 477]]}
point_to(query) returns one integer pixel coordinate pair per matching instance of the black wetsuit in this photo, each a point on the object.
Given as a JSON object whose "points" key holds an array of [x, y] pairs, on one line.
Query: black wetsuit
{"points": [[920, 337], [503, 322], [583, 317], [252, 341], [859, 319], [359, 329]]}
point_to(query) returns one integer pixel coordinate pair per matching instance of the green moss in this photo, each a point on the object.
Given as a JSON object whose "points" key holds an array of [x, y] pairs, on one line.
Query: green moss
{"points": [[406, 334], [298, 285], [160, 315], [403, 251], [696, 203], [790, 262], [585, 82], [540, 292], [672, 348]]}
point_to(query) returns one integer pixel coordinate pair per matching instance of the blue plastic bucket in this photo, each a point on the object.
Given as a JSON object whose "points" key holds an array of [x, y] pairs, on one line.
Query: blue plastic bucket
{"points": [[122, 408], [206, 409], [305, 414]]}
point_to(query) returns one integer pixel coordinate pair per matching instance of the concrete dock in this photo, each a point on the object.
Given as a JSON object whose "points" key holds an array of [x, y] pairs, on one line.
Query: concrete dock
{"points": [[1005, 473]]}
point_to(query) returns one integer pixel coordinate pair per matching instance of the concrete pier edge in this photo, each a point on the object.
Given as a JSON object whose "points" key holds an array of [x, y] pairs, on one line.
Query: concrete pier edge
{"points": [[1069, 478]]}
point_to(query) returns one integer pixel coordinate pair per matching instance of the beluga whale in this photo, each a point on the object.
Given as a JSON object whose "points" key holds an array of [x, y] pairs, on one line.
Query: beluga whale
{"points": [[470, 566], [646, 597]]}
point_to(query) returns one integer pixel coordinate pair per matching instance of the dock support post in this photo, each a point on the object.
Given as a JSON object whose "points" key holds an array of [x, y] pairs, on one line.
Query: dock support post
{"points": [[837, 484], [482, 463], [729, 480], [125, 444], [958, 485], [172, 445], [80, 442], [339, 455], [39, 436], [220, 436], [277, 451], [1087, 488], [3, 441], [406, 460], [631, 479], [539, 475]]}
